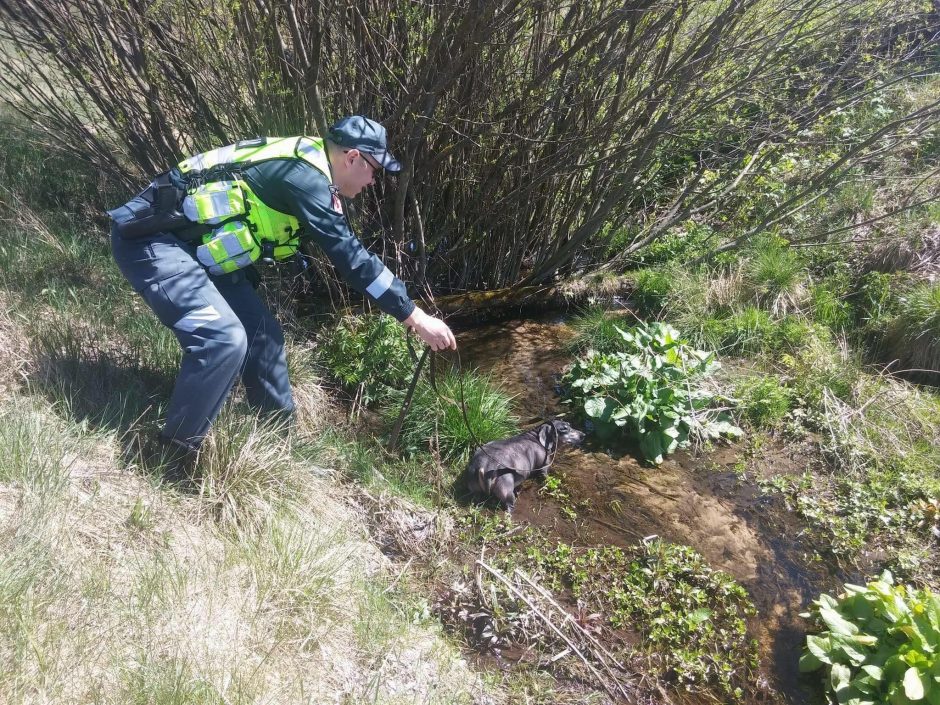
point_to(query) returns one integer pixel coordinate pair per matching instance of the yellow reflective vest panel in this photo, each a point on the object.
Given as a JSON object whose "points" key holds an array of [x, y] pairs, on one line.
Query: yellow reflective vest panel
{"points": [[216, 195]]}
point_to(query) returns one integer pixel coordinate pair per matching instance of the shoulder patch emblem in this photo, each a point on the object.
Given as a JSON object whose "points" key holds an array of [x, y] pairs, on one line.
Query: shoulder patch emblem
{"points": [[336, 203]]}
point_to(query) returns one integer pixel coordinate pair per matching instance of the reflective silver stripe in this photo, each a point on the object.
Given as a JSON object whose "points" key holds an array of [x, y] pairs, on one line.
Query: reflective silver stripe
{"points": [[204, 255], [232, 245], [196, 319], [195, 162], [221, 206], [242, 260], [381, 283], [224, 154], [316, 153]]}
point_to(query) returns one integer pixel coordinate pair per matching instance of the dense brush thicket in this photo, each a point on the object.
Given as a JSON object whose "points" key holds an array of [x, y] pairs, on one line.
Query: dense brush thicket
{"points": [[537, 139]]}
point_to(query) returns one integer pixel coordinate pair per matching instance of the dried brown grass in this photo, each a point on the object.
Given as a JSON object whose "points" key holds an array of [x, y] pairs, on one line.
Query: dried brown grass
{"points": [[14, 346], [920, 256], [115, 589]]}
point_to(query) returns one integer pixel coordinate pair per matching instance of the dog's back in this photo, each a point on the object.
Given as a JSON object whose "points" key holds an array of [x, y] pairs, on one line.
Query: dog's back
{"points": [[500, 466]]}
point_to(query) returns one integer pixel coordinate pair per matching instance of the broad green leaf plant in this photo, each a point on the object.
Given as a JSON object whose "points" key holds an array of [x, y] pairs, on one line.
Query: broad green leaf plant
{"points": [[650, 390], [880, 644]]}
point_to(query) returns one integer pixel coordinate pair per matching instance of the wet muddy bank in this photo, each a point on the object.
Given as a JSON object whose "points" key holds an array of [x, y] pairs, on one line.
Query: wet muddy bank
{"points": [[612, 498]]}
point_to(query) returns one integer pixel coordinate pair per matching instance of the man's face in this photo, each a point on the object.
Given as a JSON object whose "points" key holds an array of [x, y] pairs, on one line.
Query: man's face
{"points": [[358, 172]]}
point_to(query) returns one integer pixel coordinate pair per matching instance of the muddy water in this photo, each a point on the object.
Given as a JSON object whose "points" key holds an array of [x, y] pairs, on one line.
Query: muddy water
{"points": [[699, 502]]}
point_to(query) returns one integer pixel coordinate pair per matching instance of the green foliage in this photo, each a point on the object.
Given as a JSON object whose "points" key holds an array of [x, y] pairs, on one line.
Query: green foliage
{"points": [[829, 304], [775, 274], [764, 401], [881, 438], [679, 244], [691, 617], [876, 301], [369, 353], [651, 289], [913, 337], [754, 331], [880, 644], [596, 329], [649, 390], [436, 420]]}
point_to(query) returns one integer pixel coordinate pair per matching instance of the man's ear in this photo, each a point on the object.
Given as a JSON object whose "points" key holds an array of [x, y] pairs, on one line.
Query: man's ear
{"points": [[350, 157]]}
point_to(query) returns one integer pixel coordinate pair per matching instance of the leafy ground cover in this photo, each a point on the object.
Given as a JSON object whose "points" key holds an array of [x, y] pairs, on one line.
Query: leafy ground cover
{"points": [[648, 387], [677, 618], [879, 644]]}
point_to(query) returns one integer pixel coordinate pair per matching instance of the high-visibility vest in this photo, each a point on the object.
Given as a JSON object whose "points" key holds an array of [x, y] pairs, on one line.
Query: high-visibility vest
{"points": [[247, 228]]}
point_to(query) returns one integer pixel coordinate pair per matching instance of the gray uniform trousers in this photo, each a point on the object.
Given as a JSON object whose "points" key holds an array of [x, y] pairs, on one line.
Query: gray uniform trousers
{"points": [[224, 328]]}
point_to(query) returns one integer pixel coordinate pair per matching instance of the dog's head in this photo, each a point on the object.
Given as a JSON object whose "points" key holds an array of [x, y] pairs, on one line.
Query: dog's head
{"points": [[554, 432]]}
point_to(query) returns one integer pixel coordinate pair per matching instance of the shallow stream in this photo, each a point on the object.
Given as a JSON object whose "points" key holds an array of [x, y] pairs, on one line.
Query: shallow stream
{"points": [[700, 502]]}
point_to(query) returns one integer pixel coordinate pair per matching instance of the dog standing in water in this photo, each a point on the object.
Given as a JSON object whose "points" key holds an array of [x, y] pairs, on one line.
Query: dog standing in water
{"points": [[500, 467]]}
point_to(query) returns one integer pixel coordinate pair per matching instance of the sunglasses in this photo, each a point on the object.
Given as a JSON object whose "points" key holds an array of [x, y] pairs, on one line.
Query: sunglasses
{"points": [[366, 158]]}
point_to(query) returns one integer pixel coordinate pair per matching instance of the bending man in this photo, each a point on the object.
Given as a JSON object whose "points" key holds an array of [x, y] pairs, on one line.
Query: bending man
{"points": [[187, 243]]}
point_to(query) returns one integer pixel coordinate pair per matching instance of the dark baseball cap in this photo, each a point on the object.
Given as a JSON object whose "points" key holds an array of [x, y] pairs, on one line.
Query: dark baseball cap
{"points": [[358, 132]]}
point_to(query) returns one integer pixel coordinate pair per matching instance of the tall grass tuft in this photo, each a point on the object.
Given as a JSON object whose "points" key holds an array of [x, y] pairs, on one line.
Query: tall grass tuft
{"points": [[245, 469], [163, 680], [34, 452], [913, 337], [775, 276], [297, 569], [436, 420]]}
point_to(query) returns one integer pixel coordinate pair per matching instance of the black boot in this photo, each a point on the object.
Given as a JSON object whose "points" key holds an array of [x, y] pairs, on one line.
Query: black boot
{"points": [[173, 459]]}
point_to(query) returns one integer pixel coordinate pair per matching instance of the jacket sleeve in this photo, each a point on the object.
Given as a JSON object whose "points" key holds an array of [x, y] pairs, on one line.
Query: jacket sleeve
{"points": [[315, 206]]}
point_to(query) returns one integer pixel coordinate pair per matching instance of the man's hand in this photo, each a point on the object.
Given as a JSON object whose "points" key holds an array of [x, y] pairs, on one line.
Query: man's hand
{"points": [[431, 330]]}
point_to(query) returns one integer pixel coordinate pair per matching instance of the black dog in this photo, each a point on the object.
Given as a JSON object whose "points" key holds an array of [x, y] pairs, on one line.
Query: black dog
{"points": [[499, 467]]}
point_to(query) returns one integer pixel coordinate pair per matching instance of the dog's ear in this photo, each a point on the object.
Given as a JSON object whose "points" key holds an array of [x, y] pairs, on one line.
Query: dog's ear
{"points": [[548, 436]]}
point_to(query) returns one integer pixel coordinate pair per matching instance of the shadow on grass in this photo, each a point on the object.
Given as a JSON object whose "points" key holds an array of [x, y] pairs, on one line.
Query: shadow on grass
{"points": [[105, 390]]}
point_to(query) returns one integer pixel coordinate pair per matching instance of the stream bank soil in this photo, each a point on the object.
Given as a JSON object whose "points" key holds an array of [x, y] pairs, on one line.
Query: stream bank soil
{"points": [[700, 502]]}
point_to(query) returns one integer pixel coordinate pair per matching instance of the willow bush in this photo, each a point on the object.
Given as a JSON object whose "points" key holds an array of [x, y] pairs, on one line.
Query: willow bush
{"points": [[531, 133]]}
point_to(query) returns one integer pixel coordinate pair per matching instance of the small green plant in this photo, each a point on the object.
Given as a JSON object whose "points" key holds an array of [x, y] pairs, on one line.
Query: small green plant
{"points": [[764, 401], [692, 618], [650, 391], [368, 354], [829, 305], [880, 644], [651, 290], [914, 335]]}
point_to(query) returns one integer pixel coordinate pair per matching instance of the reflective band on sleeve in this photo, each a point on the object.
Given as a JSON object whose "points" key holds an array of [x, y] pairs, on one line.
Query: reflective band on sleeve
{"points": [[196, 319], [381, 283]]}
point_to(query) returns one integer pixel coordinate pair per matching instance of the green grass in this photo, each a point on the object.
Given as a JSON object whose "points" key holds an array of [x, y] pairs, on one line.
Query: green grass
{"points": [[830, 306], [596, 329], [34, 452], [245, 470], [881, 440], [913, 337], [436, 421], [775, 275], [763, 401]]}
